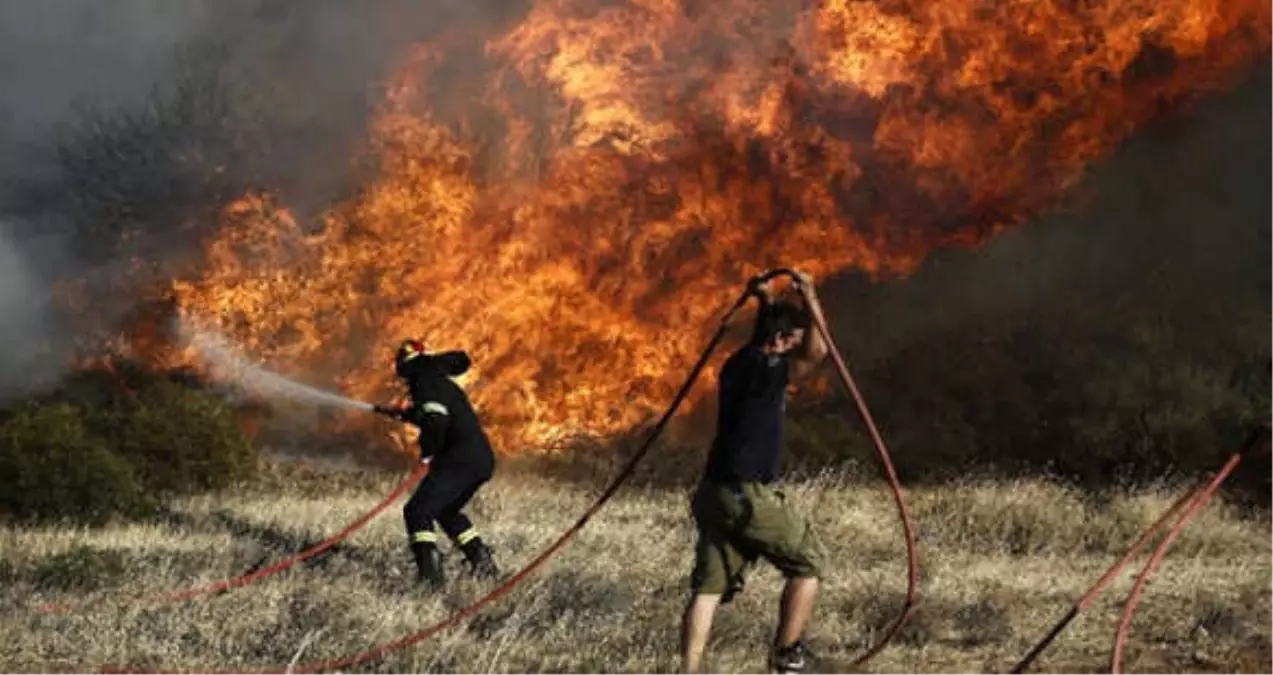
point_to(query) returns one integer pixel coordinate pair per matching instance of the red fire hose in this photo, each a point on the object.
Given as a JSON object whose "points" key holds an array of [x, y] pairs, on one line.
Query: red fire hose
{"points": [[257, 575], [1191, 503], [1133, 598], [1105, 579], [1256, 444], [912, 578], [606, 495]]}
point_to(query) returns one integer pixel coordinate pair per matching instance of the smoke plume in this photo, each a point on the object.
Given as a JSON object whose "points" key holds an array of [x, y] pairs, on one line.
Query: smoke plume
{"points": [[27, 330], [161, 109]]}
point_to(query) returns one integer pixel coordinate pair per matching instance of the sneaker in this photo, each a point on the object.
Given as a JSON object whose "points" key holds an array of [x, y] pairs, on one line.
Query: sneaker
{"points": [[796, 658]]}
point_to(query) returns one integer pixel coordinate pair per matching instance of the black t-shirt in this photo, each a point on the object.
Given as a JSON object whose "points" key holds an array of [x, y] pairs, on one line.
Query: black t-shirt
{"points": [[450, 431], [753, 401]]}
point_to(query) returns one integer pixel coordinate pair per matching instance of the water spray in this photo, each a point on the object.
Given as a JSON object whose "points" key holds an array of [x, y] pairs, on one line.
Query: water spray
{"points": [[230, 364]]}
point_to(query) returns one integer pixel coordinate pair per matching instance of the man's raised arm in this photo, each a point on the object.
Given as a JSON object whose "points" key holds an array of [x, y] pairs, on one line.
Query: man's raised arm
{"points": [[813, 349]]}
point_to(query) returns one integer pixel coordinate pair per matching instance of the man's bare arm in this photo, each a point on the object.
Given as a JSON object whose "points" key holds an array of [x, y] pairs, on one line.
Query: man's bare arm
{"points": [[813, 349]]}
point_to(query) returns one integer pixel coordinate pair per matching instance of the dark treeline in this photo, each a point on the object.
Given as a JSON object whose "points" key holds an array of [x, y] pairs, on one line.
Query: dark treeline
{"points": [[1127, 338]]}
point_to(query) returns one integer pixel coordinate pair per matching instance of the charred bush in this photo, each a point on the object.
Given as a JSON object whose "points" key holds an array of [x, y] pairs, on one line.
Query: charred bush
{"points": [[135, 181], [1061, 397]]}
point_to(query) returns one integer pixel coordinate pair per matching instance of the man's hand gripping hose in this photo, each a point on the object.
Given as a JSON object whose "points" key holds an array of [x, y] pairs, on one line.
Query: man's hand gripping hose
{"points": [[390, 412]]}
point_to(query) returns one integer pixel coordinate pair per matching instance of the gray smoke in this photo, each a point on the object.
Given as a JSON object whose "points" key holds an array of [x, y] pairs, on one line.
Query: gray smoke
{"points": [[301, 79], [62, 53], [59, 56], [26, 329], [322, 57]]}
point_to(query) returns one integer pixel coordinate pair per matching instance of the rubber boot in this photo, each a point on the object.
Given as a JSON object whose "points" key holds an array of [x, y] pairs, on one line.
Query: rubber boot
{"points": [[428, 562], [481, 563]]}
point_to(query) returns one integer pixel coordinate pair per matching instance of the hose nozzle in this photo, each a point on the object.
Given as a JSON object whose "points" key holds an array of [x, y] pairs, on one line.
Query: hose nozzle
{"points": [[387, 411]]}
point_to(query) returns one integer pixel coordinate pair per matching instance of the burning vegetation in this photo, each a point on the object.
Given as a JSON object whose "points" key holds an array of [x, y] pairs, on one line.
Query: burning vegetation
{"points": [[574, 205]]}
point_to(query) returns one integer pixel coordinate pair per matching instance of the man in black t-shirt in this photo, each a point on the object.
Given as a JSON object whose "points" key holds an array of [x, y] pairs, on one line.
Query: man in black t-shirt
{"points": [[738, 514], [459, 456]]}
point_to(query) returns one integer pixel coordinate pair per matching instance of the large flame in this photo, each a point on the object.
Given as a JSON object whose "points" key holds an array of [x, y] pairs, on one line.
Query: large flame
{"points": [[576, 210]]}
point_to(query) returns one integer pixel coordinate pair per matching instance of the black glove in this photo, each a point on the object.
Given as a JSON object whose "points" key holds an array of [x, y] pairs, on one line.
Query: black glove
{"points": [[395, 413]]}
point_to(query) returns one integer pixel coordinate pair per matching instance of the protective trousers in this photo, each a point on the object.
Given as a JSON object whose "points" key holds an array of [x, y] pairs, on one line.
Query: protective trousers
{"points": [[441, 497]]}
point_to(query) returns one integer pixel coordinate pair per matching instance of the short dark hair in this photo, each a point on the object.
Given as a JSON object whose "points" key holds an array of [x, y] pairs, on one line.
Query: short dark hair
{"points": [[778, 318]]}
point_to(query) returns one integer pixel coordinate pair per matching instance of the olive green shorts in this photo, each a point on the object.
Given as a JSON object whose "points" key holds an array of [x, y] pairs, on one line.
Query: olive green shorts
{"points": [[737, 524]]}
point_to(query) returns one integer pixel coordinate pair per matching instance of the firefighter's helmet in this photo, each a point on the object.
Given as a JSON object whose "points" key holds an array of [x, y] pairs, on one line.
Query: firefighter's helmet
{"points": [[409, 350]]}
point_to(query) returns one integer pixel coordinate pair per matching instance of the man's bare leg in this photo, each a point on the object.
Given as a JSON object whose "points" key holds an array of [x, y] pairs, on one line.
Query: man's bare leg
{"points": [[696, 625], [798, 596]]}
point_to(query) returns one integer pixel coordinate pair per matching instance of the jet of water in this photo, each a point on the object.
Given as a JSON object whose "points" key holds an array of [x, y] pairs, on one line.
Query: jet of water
{"points": [[229, 363]]}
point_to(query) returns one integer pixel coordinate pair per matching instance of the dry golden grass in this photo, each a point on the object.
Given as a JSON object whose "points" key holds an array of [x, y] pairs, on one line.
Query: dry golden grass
{"points": [[1001, 562]]}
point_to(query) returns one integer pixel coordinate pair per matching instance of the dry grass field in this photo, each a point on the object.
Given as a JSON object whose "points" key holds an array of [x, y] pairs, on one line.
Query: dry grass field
{"points": [[1001, 562]]}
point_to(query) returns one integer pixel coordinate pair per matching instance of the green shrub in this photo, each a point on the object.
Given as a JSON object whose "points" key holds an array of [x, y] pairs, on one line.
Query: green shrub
{"points": [[53, 466], [116, 444], [180, 440]]}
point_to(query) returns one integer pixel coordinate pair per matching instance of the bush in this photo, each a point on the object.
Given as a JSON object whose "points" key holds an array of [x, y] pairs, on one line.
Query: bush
{"points": [[116, 444], [52, 465], [180, 440]]}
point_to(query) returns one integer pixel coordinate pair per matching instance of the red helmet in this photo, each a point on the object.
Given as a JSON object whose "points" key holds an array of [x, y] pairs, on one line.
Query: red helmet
{"points": [[408, 350]]}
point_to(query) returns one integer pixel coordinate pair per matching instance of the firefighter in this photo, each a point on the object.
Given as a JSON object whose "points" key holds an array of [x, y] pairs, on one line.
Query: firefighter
{"points": [[459, 456], [739, 515]]}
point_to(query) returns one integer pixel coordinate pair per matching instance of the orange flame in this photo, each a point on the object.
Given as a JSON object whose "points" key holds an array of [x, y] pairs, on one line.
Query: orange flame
{"points": [[577, 223]]}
